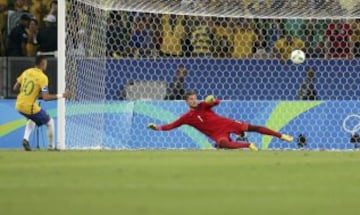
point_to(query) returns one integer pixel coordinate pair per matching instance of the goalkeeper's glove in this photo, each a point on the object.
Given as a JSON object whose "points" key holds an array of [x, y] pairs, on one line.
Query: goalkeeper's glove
{"points": [[210, 99], [152, 126]]}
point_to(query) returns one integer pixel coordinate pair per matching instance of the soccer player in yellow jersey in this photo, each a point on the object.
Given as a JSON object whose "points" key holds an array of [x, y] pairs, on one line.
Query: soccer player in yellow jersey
{"points": [[30, 84]]}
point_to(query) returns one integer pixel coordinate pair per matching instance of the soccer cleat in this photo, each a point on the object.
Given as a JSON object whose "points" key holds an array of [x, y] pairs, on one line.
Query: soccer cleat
{"points": [[253, 147], [287, 138], [26, 145], [152, 126]]}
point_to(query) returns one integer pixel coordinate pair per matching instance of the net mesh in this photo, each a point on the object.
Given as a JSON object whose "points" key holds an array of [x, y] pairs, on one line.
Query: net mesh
{"points": [[238, 8], [85, 76], [125, 57]]}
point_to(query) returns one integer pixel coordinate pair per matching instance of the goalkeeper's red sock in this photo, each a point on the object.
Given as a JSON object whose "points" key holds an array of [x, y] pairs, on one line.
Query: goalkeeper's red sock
{"points": [[226, 144], [263, 130]]}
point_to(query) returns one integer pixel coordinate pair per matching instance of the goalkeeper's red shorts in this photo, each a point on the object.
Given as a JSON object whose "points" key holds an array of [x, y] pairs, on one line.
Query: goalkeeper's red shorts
{"points": [[235, 127]]}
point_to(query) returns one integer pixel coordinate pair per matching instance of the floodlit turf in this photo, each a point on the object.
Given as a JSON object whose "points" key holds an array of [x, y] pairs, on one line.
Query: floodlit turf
{"points": [[179, 182]]}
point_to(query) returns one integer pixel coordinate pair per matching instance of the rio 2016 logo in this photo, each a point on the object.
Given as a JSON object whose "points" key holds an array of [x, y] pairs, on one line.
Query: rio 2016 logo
{"points": [[351, 123]]}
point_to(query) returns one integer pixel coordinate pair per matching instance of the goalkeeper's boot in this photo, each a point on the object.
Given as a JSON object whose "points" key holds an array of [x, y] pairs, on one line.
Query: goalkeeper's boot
{"points": [[26, 145], [253, 147], [287, 138]]}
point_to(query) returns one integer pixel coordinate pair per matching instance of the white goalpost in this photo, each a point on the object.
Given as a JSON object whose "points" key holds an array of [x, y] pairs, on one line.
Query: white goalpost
{"points": [[61, 73]]}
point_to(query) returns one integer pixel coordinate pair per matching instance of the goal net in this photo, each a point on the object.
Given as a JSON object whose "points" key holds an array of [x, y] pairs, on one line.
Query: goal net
{"points": [[128, 63]]}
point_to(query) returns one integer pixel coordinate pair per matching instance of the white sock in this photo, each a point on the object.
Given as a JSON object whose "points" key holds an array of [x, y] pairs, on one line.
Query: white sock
{"points": [[30, 125], [51, 132]]}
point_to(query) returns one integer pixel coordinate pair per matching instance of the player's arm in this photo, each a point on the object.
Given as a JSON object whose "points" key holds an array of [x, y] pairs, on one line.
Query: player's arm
{"points": [[46, 96], [16, 87], [210, 101], [167, 127]]}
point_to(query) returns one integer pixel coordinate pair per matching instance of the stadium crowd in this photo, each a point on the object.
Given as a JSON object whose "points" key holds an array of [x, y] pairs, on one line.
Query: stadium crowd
{"points": [[151, 35], [28, 27]]}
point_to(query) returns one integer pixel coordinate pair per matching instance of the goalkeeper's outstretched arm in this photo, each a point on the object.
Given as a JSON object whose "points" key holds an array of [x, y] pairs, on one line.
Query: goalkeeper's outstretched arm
{"points": [[167, 127]]}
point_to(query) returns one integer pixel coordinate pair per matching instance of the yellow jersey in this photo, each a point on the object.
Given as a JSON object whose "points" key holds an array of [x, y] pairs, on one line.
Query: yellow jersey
{"points": [[285, 49], [243, 43], [33, 81], [172, 36]]}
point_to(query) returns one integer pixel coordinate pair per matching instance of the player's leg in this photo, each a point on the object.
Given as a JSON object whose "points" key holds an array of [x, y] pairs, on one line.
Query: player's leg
{"points": [[267, 131], [42, 118], [51, 132], [226, 143], [49, 122], [29, 127]]}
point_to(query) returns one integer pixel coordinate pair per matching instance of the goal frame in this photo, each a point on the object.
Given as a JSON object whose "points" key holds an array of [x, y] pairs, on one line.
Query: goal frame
{"points": [[61, 71]]}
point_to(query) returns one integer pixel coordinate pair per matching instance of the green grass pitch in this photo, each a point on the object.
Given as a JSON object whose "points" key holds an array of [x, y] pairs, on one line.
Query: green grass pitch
{"points": [[179, 182]]}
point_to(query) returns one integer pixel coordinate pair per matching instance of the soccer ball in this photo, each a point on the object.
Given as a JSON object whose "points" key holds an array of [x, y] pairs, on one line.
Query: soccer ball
{"points": [[297, 56]]}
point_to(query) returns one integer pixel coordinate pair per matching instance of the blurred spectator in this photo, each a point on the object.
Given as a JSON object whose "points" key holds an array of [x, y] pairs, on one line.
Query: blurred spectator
{"points": [[3, 7], [74, 28], [284, 46], [338, 40], [41, 8], [244, 39], [173, 35], [141, 38], [307, 90], [223, 37], [177, 90], [187, 46], [313, 36], [295, 27], [260, 48], [155, 31], [27, 5], [19, 37], [31, 45], [201, 38], [14, 16], [47, 37], [121, 94], [53, 8], [89, 16], [355, 39], [117, 35], [272, 30]]}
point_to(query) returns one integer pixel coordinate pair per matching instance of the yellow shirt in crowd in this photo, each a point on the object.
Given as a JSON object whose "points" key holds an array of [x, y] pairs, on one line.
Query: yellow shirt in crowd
{"points": [[32, 81], [40, 8], [285, 50], [2, 15], [172, 35], [243, 43], [200, 40]]}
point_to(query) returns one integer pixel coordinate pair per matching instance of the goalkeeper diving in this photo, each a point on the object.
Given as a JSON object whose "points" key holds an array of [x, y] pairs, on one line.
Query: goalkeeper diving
{"points": [[218, 128]]}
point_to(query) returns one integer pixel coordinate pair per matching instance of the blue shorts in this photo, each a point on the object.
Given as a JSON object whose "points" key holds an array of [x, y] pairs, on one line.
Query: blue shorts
{"points": [[40, 118]]}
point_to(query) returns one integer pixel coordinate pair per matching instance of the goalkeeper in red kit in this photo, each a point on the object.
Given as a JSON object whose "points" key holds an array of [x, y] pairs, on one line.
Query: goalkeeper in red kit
{"points": [[218, 128]]}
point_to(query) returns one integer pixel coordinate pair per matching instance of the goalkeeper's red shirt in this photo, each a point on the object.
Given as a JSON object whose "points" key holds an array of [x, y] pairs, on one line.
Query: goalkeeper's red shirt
{"points": [[204, 119]]}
